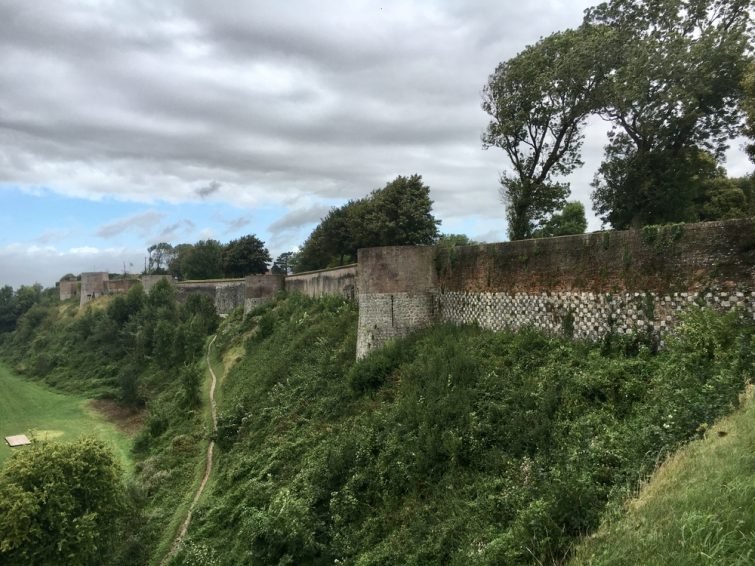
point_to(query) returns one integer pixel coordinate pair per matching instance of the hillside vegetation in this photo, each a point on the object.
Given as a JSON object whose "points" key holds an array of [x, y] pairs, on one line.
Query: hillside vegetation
{"points": [[145, 351], [696, 509], [455, 445]]}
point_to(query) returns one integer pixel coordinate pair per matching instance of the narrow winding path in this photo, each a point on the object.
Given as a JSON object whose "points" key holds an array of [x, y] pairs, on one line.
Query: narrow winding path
{"points": [[208, 466]]}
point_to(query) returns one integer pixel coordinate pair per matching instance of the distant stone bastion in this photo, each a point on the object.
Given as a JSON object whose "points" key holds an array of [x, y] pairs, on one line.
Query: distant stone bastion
{"points": [[581, 286], [226, 294]]}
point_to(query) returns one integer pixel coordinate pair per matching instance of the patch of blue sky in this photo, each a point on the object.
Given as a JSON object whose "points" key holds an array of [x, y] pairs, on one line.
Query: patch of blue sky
{"points": [[43, 217]]}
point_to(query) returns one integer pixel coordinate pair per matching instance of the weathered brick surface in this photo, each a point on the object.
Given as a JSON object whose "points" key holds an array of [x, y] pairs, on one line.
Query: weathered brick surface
{"points": [[260, 288], [661, 259], [383, 316], [68, 289], [92, 286], [397, 269], [339, 281], [149, 281], [226, 294], [229, 296], [584, 286]]}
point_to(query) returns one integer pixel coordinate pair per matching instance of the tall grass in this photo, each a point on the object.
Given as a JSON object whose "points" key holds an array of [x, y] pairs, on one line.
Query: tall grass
{"points": [[697, 508]]}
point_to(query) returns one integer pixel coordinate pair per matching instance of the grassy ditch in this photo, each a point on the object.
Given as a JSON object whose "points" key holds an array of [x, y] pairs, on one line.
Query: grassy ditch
{"points": [[43, 414]]}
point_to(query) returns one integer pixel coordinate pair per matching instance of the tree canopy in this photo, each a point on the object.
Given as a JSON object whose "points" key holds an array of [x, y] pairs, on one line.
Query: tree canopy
{"points": [[671, 78], [398, 214], [284, 263], [538, 101], [160, 257], [209, 259], [749, 107], [570, 220], [60, 504], [672, 94], [245, 256]]}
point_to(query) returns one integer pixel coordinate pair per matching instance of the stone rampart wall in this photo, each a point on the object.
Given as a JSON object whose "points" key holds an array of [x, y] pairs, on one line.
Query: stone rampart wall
{"points": [[259, 289], [338, 281], [92, 286], [397, 293], [69, 289], [583, 286], [226, 294]]}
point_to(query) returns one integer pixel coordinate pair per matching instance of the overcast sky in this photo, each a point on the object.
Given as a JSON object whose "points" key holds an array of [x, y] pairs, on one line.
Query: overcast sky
{"points": [[127, 123]]}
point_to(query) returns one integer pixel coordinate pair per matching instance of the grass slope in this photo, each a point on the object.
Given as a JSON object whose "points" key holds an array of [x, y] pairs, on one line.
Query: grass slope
{"points": [[453, 446], [29, 408], [698, 508]]}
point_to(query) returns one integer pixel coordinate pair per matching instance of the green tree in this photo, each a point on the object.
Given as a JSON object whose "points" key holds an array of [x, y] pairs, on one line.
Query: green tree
{"points": [[284, 263], [538, 101], [398, 214], [571, 220], [676, 68], [177, 260], [60, 504], [204, 260], [245, 256], [748, 85], [453, 240], [8, 311], [160, 257]]}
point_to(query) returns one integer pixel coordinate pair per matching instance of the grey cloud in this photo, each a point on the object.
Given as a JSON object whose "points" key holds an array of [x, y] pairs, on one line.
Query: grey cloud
{"points": [[298, 218], [171, 232], [51, 236], [235, 224], [140, 223], [212, 188], [271, 101]]}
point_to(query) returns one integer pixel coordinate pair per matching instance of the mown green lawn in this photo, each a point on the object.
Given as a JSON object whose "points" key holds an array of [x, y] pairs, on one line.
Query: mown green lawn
{"points": [[32, 409]]}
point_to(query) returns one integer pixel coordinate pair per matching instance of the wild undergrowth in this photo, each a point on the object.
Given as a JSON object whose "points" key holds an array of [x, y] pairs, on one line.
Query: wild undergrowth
{"points": [[146, 351], [455, 445], [696, 509]]}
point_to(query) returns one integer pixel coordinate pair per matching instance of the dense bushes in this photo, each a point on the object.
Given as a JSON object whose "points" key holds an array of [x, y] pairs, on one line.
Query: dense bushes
{"points": [[143, 350], [104, 350], [455, 445], [61, 503]]}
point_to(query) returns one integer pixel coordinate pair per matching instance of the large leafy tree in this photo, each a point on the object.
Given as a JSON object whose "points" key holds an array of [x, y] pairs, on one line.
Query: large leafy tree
{"points": [[204, 260], [245, 256], [398, 214], [60, 504], [672, 94], [749, 107], [160, 257], [570, 220], [284, 263], [538, 102]]}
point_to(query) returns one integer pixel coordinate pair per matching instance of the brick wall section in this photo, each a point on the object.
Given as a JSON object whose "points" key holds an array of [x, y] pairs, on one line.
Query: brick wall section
{"points": [[676, 258], [583, 286], [229, 296], [260, 288], [226, 294], [68, 289], [397, 293], [149, 281], [120, 286], [338, 281], [92, 286]]}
